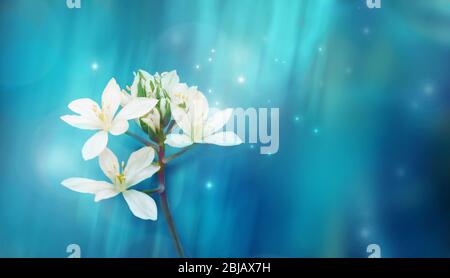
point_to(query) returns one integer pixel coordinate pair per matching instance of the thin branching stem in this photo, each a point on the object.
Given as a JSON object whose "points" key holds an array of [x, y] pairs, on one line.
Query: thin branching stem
{"points": [[177, 154], [165, 203], [142, 140]]}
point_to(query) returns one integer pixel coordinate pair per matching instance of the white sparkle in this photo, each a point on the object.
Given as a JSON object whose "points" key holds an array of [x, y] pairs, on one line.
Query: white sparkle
{"points": [[316, 131], [428, 89], [241, 79], [94, 66], [400, 172], [213, 50], [365, 233], [320, 49], [209, 185], [366, 30], [210, 91], [414, 105], [210, 59], [217, 103], [197, 66]]}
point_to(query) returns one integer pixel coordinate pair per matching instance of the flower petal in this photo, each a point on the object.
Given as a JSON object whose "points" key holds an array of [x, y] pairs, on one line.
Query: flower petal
{"points": [[109, 164], [83, 185], [111, 98], [141, 205], [82, 122], [95, 145], [178, 140], [139, 160], [136, 108], [169, 80], [141, 175], [118, 127], [84, 106], [227, 138], [181, 118], [217, 121], [125, 98], [197, 106], [106, 194], [134, 87]]}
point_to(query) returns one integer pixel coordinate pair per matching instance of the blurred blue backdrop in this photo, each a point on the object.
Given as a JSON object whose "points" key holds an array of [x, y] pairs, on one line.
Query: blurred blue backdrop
{"points": [[364, 126]]}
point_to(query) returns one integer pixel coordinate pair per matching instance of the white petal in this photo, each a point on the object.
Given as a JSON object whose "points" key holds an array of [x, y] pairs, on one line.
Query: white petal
{"points": [[177, 93], [82, 122], [217, 121], [95, 145], [142, 175], [169, 80], [178, 140], [181, 118], [145, 75], [84, 106], [227, 138], [136, 108], [125, 98], [198, 106], [106, 194], [134, 87], [118, 127], [141, 205], [139, 160], [109, 164], [111, 98], [153, 119], [83, 185]]}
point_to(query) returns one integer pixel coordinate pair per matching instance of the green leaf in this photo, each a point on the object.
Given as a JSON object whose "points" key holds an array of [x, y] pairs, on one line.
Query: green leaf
{"points": [[152, 86], [141, 90]]}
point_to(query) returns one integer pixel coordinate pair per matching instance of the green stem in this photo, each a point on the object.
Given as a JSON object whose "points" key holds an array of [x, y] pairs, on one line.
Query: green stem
{"points": [[151, 191], [142, 140], [175, 155], [165, 203], [170, 127]]}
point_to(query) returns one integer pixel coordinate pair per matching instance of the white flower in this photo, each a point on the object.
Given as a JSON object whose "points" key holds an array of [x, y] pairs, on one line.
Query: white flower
{"points": [[92, 117], [178, 92], [196, 126], [138, 168]]}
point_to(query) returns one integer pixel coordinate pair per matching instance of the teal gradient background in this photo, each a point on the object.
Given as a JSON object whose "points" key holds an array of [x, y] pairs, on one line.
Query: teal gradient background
{"points": [[364, 151]]}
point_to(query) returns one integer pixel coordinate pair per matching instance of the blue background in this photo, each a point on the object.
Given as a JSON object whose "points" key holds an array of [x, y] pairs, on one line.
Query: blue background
{"points": [[364, 126]]}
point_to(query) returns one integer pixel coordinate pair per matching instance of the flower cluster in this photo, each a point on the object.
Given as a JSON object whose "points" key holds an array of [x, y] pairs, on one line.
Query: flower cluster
{"points": [[167, 111]]}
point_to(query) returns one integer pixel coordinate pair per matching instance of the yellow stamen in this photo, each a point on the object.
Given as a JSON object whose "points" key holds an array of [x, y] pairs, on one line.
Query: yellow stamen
{"points": [[121, 175]]}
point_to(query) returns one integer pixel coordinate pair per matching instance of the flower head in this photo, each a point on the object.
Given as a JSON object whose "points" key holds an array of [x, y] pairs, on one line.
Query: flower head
{"points": [[122, 177], [191, 115], [93, 117]]}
